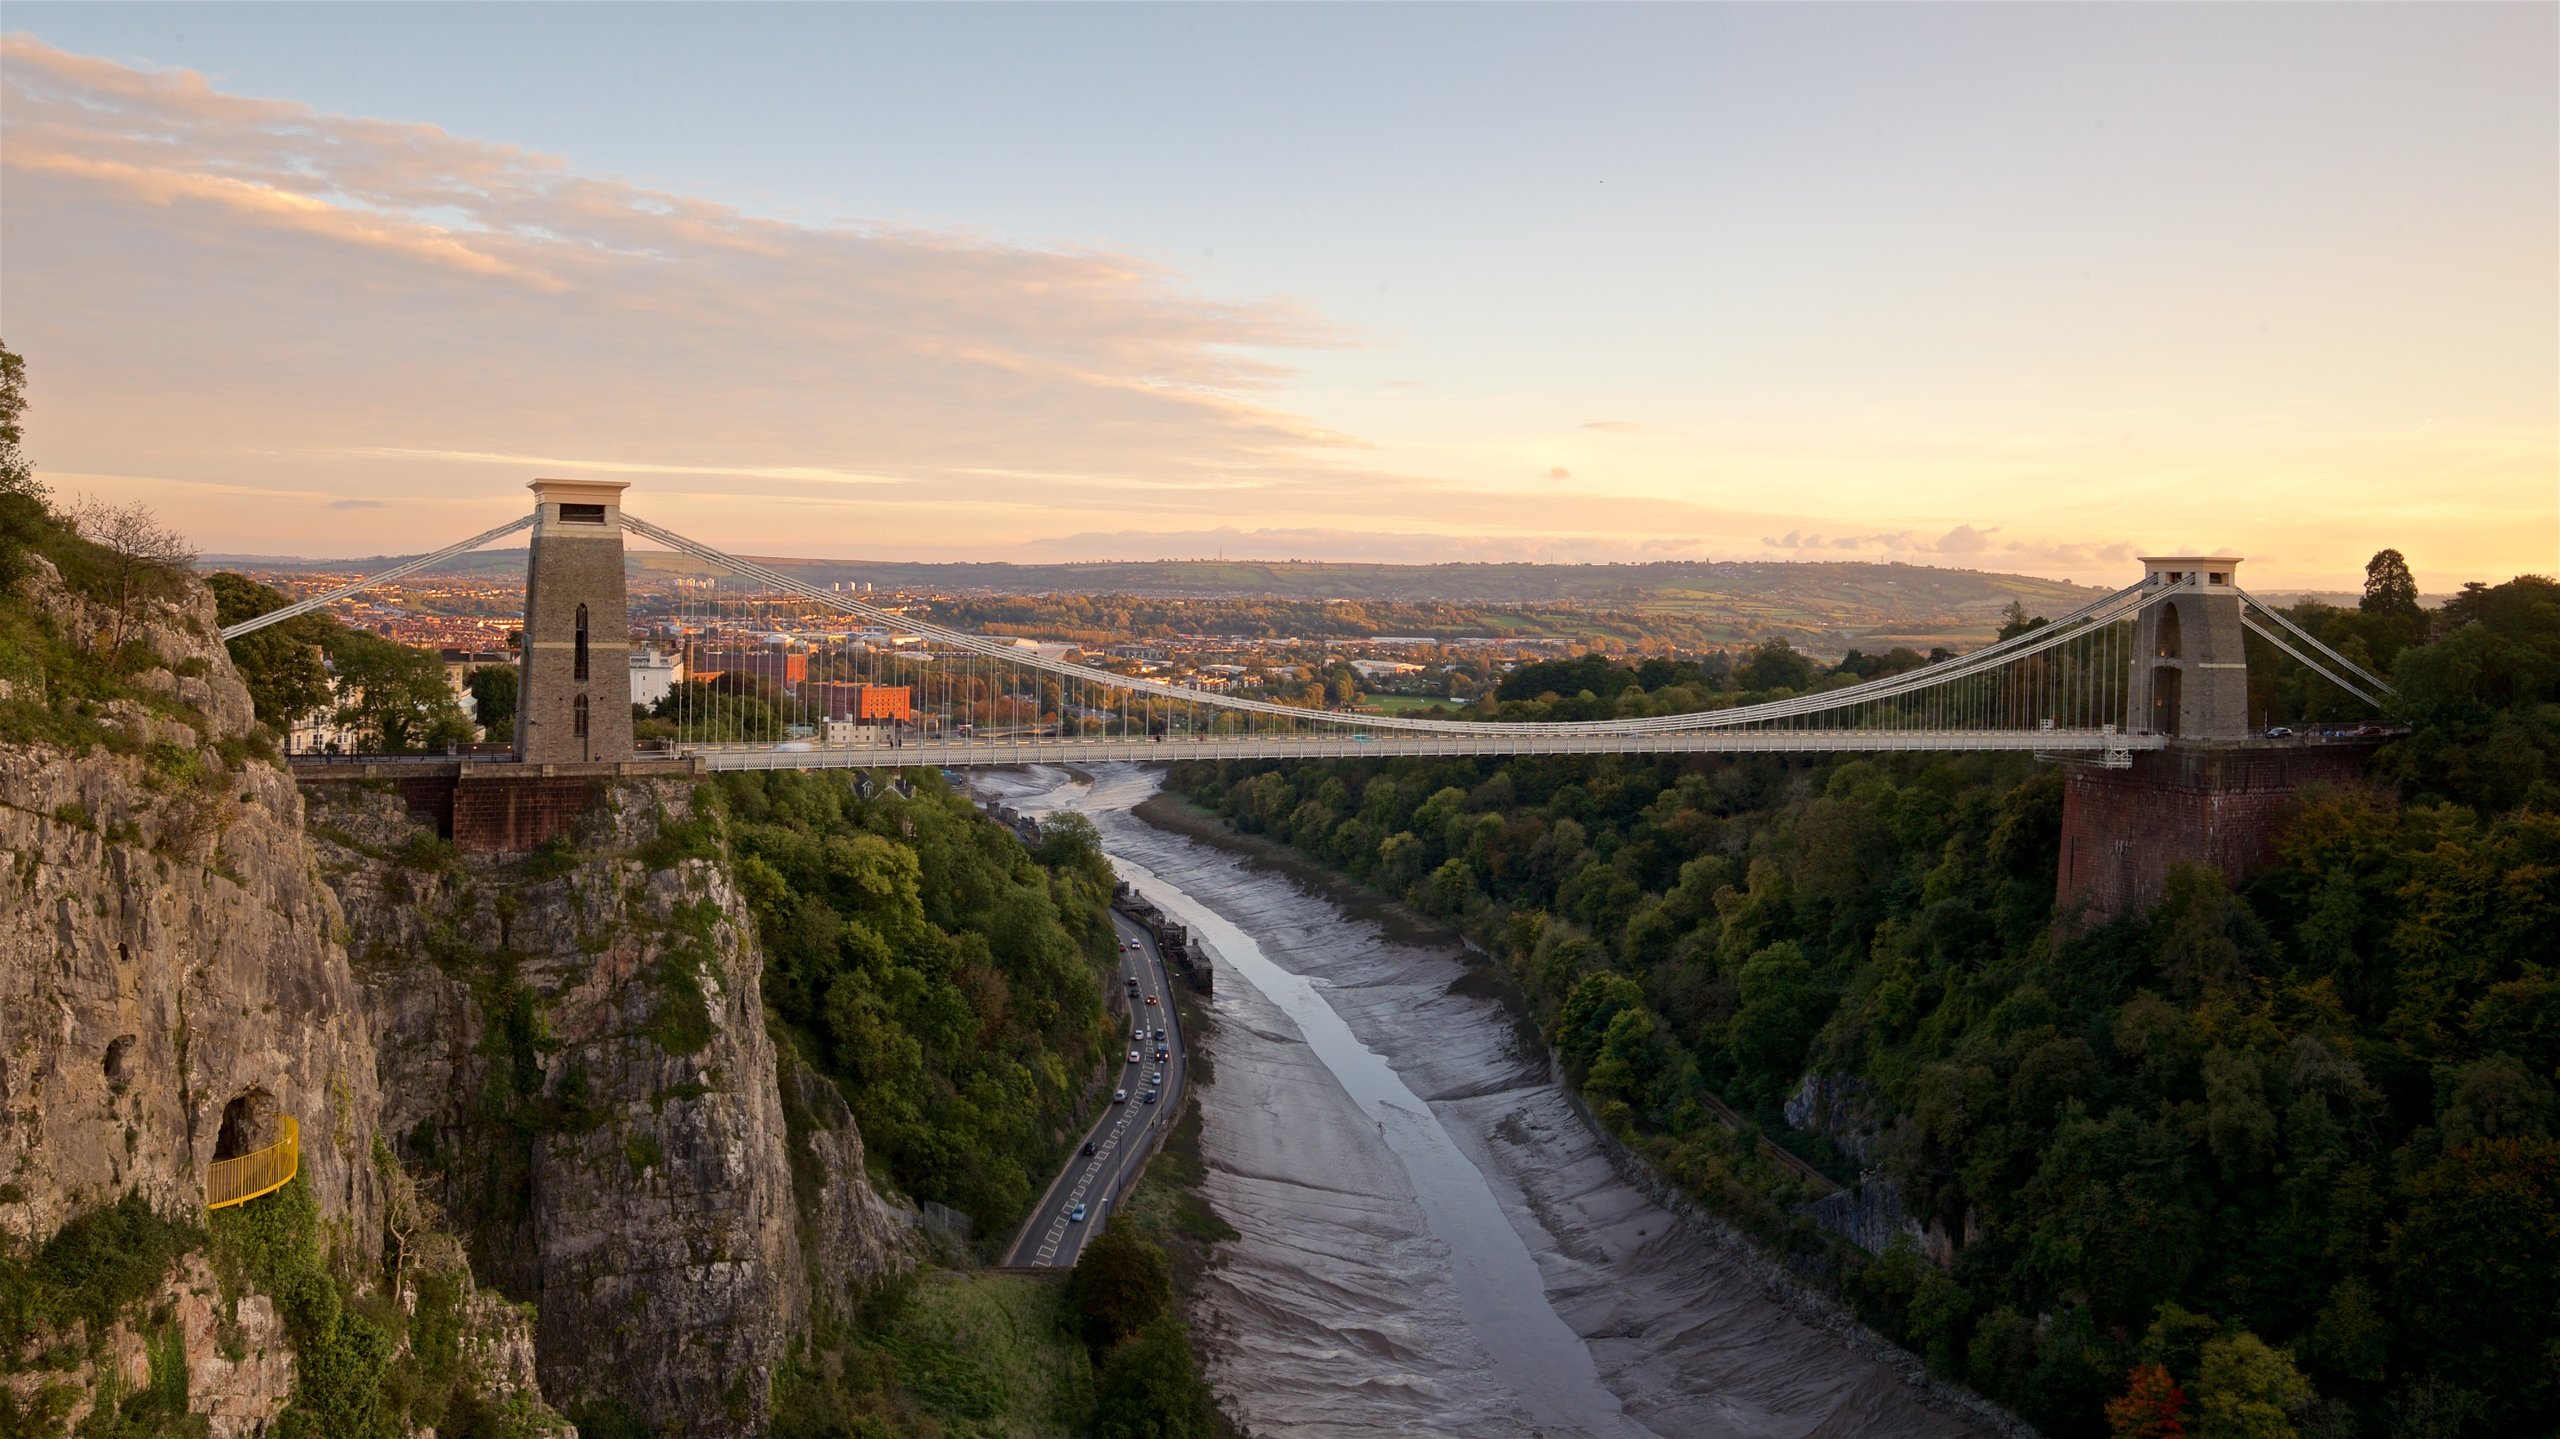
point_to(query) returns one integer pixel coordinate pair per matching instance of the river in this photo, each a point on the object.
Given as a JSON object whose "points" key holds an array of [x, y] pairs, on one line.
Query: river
{"points": [[1432, 1241]]}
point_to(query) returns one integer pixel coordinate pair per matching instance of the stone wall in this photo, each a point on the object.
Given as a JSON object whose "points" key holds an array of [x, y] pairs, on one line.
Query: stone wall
{"points": [[2219, 805]]}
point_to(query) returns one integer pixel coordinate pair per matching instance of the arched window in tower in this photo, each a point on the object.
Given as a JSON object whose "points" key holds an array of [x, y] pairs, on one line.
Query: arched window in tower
{"points": [[2167, 634], [578, 717], [582, 653]]}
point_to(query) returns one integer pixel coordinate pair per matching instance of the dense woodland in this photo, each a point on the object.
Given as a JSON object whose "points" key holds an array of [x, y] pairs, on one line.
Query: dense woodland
{"points": [[949, 978], [2266, 1163]]}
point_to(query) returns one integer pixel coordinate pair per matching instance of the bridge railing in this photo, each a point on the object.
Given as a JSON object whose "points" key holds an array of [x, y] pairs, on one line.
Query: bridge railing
{"points": [[263, 1171]]}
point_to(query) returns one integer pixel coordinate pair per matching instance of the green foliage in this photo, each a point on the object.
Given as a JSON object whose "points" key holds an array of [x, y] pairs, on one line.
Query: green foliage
{"points": [[2293, 1145], [493, 699], [1150, 1388], [96, 1265], [1593, 673], [351, 1380], [2246, 1390], [280, 664], [947, 979], [680, 1017], [1119, 1285], [394, 696], [950, 1353], [696, 837], [61, 685]]}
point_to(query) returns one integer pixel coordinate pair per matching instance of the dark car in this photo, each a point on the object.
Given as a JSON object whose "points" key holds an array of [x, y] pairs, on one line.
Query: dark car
{"points": [[1147, 1098], [1088, 1146], [2278, 732]]}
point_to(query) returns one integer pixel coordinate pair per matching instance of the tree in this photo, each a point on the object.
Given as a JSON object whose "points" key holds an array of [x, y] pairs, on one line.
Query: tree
{"points": [[2249, 1391], [280, 664], [17, 477], [1120, 1284], [2151, 1407], [394, 695], [1775, 665], [493, 697], [2015, 621], [1150, 1387], [2390, 591], [142, 557], [1783, 1006], [23, 517], [2472, 1262]]}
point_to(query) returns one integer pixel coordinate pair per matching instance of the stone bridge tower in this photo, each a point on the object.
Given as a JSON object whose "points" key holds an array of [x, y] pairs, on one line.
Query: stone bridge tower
{"points": [[573, 704], [2191, 666], [2217, 795]]}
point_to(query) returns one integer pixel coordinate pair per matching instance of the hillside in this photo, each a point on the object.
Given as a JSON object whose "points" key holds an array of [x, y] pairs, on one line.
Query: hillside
{"points": [[1827, 604]]}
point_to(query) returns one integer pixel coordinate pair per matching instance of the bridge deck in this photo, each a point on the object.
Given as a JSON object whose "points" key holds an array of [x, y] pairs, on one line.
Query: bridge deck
{"points": [[963, 753]]}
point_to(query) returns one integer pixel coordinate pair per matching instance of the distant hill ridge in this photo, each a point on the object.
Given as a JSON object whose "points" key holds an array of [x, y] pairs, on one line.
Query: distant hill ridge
{"points": [[1671, 581]]}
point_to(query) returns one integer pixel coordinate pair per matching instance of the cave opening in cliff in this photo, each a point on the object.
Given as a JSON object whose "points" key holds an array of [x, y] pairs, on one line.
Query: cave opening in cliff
{"points": [[248, 1125]]}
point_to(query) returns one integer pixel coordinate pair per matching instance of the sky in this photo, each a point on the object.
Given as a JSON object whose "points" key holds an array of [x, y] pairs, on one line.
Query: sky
{"points": [[2034, 288]]}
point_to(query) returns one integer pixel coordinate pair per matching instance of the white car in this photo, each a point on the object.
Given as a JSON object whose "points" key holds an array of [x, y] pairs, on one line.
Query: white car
{"points": [[1133, 1056], [1119, 1096]]}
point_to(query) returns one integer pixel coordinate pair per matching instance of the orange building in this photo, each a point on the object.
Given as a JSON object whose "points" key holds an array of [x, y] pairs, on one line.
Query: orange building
{"points": [[865, 703]]}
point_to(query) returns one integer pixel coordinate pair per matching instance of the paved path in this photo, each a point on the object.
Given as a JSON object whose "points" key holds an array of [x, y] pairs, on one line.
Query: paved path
{"points": [[1126, 1132]]}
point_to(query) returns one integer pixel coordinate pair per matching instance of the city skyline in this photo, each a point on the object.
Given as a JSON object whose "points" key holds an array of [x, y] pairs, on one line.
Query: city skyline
{"points": [[2030, 290]]}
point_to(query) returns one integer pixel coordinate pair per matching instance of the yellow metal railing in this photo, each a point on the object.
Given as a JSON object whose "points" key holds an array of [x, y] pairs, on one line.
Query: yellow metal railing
{"points": [[237, 1181]]}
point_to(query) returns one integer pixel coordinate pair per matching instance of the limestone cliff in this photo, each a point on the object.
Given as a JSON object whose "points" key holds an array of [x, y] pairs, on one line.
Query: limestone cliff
{"points": [[169, 962], [575, 1058], [172, 987]]}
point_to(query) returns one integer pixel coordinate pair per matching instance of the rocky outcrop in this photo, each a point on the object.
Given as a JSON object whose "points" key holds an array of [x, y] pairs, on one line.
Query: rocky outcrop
{"points": [[173, 986], [168, 955], [575, 1058], [848, 1233], [1835, 1105]]}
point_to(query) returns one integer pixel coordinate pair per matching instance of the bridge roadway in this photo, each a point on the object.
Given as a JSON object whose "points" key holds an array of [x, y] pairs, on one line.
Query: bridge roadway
{"points": [[2106, 744]]}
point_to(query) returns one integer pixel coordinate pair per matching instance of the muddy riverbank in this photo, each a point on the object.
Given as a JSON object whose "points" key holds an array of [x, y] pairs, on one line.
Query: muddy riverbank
{"points": [[1431, 1239]]}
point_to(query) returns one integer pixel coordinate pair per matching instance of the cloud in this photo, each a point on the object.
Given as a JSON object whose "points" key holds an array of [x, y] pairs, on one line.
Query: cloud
{"points": [[1350, 547], [1559, 473], [1618, 427], [412, 300], [1965, 540], [355, 504]]}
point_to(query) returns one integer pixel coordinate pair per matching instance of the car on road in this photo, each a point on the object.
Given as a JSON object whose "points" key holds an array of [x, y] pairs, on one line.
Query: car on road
{"points": [[1076, 1214], [1163, 1054], [2279, 732], [1147, 1098], [1133, 1056], [1159, 1033], [1088, 1146], [1119, 1096], [2368, 731], [1151, 999]]}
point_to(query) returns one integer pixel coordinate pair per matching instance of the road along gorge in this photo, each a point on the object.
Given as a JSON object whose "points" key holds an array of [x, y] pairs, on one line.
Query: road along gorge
{"points": [[1433, 1241]]}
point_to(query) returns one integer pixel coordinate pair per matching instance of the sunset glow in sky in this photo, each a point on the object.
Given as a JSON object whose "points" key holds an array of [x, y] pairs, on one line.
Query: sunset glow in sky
{"points": [[2007, 287]]}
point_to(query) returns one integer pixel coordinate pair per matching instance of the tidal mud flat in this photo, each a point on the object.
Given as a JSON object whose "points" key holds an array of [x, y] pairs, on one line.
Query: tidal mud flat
{"points": [[1433, 1241]]}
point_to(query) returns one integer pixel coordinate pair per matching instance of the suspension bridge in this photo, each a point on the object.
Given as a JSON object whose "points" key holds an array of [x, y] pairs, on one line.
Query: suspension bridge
{"points": [[843, 682]]}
